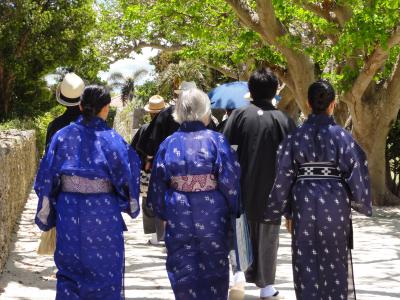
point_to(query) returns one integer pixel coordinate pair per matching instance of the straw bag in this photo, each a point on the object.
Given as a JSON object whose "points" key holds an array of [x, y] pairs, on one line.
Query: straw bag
{"points": [[47, 244]]}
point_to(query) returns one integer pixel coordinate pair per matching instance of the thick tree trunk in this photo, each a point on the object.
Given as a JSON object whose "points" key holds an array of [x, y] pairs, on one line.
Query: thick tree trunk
{"points": [[371, 125], [288, 104], [341, 113]]}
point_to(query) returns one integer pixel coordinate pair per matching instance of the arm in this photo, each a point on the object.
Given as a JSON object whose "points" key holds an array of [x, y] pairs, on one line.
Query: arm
{"points": [[124, 167], [46, 187], [228, 170], [158, 185], [278, 201], [355, 166], [231, 129]]}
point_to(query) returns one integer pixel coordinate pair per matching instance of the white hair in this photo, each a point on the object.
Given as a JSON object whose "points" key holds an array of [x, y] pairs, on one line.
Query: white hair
{"points": [[192, 105]]}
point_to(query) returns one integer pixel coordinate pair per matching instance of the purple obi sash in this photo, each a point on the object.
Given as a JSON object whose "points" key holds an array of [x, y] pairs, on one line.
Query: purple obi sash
{"points": [[82, 185], [194, 183]]}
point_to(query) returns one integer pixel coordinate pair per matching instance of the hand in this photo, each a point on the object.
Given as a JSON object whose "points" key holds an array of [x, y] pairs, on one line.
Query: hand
{"points": [[147, 166], [289, 225]]}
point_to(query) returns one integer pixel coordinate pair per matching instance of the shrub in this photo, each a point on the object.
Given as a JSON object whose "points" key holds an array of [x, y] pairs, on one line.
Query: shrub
{"points": [[38, 123]]}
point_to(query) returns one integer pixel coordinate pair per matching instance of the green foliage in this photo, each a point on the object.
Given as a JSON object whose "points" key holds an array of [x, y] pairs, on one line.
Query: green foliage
{"points": [[38, 123], [36, 37], [209, 31], [111, 116], [144, 92]]}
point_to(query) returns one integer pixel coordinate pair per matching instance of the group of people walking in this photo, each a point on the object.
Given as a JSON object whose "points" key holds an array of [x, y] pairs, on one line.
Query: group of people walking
{"points": [[201, 180]]}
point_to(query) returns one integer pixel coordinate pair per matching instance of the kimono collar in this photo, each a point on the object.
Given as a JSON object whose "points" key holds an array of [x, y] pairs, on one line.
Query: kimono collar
{"points": [[188, 126], [264, 104], [321, 119], [96, 123]]}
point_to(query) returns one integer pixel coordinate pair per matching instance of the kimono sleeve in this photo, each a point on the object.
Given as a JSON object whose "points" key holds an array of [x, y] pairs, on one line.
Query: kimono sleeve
{"points": [[228, 170], [354, 167], [279, 197], [124, 165], [46, 186], [159, 183], [231, 130]]}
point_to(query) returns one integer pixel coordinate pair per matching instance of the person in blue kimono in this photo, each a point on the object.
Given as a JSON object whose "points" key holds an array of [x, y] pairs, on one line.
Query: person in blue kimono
{"points": [[88, 176], [194, 187], [321, 174]]}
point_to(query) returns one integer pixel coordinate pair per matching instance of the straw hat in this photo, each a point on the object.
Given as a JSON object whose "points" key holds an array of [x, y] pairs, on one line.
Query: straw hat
{"points": [[69, 91], [186, 85], [156, 104]]}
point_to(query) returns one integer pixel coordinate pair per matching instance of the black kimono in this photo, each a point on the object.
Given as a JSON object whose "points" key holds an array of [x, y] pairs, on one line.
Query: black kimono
{"points": [[159, 129], [70, 115], [257, 130]]}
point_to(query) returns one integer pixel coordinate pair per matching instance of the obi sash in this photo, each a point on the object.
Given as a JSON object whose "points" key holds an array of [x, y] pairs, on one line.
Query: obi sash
{"points": [[194, 183], [318, 170], [82, 185]]}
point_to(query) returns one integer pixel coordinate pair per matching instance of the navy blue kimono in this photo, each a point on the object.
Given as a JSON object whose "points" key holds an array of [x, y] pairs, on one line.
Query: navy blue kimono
{"points": [[319, 197], [194, 186], [88, 176]]}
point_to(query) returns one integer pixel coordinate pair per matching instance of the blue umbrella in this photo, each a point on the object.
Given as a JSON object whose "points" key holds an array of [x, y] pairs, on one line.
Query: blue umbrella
{"points": [[229, 95]]}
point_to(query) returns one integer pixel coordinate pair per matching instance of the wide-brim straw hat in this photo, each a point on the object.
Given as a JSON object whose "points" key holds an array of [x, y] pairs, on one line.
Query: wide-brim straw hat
{"points": [[155, 105], [186, 85], [69, 91]]}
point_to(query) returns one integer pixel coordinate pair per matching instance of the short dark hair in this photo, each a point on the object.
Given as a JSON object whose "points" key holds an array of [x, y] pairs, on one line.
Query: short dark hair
{"points": [[93, 99], [320, 96], [263, 84]]}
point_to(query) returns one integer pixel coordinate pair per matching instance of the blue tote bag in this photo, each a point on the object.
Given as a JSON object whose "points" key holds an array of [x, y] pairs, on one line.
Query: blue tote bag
{"points": [[243, 249]]}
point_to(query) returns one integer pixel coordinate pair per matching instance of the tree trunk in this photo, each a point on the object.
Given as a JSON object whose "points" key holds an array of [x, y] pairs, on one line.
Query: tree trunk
{"points": [[288, 104], [372, 121], [6, 84], [341, 113]]}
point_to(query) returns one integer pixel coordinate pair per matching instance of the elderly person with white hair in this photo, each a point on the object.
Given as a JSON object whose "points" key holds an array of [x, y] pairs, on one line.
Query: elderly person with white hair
{"points": [[194, 187]]}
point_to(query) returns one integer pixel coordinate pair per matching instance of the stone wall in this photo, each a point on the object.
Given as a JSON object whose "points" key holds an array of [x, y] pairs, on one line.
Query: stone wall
{"points": [[18, 162], [127, 121]]}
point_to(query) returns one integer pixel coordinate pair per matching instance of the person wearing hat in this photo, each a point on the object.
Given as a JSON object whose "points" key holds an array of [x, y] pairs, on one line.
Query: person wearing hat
{"points": [[151, 225], [68, 93], [164, 125]]}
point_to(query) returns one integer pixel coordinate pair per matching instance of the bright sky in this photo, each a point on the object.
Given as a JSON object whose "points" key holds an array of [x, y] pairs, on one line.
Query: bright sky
{"points": [[128, 66]]}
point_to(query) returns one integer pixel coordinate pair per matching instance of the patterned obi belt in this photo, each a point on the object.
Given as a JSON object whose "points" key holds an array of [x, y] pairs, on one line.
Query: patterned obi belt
{"points": [[318, 170], [82, 185], [194, 183]]}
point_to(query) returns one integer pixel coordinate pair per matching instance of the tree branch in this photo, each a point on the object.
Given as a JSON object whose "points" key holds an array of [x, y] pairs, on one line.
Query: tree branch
{"points": [[317, 9], [272, 28], [393, 88], [375, 61], [156, 45], [247, 16], [228, 72], [328, 10], [281, 73]]}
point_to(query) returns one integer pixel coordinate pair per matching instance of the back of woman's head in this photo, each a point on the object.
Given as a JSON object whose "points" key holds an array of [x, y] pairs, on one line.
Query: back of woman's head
{"points": [[320, 96], [192, 105], [93, 99]]}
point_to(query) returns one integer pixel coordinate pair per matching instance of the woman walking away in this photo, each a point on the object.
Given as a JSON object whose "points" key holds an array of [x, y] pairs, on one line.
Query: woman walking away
{"points": [[322, 173], [194, 186], [88, 176]]}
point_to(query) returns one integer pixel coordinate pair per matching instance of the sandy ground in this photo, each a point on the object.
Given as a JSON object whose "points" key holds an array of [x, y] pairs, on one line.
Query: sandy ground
{"points": [[376, 262]]}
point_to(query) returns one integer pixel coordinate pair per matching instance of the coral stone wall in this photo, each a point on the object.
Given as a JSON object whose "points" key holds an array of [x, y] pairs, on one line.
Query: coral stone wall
{"points": [[127, 121], [18, 162]]}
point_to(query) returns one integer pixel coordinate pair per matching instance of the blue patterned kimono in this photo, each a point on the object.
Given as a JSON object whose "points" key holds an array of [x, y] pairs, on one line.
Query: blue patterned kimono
{"points": [[320, 206], [85, 158], [198, 221]]}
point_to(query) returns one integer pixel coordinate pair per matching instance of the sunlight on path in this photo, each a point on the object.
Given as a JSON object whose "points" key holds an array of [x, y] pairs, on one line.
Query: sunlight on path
{"points": [[28, 276]]}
